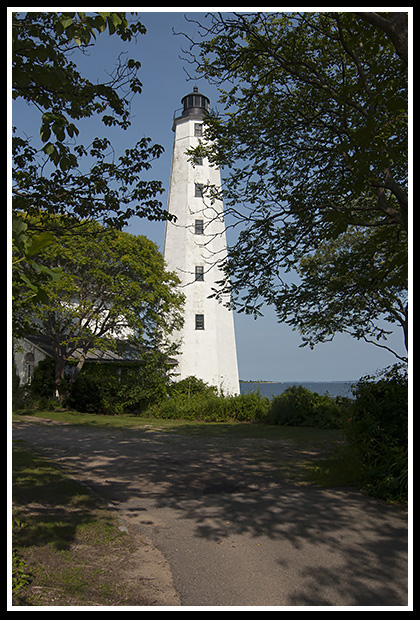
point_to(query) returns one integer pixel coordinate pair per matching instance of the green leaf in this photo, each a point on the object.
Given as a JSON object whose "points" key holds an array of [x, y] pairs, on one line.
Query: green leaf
{"points": [[58, 129], [18, 225], [39, 242], [21, 78], [64, 21], [65, 164], [49, 149], [45, 133], [33, 287], [55, 273]]}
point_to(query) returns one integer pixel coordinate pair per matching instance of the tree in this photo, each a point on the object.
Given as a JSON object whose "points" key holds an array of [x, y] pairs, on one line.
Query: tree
{"points": [[65, 175], [351, 285], [44, 76], [113, 288], [394, 25], [313, 137]]}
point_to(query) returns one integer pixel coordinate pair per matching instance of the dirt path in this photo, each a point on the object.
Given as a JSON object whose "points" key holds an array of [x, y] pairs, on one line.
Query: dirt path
{"points": [[228, 526]]}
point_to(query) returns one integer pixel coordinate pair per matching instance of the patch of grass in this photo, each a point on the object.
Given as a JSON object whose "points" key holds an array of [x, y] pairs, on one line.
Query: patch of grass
{"points": [[338, 467], [35, 479], [342, 468], [98, 420], [87, 419], [240, 430], [302, 468], [68, 549], [190, 427]]}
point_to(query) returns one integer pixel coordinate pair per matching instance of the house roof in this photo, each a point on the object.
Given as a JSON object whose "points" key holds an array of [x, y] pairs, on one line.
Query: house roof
{"points": [[125, 352]]}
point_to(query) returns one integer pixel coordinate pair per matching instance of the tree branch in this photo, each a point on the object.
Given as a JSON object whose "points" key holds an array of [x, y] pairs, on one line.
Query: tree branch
{"points": [[395, 26]]}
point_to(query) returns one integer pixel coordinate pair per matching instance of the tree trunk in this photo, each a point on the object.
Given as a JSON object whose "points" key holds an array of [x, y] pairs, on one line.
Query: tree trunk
{"points": [[77, 370], [59, 377], [61, 384], [395, 26]]}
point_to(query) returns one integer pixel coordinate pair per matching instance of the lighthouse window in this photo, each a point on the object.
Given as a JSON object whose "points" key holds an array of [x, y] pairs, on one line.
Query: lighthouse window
{"points": [[199, 227], [198, 190], [199, 273], [198, 129], [199, 321]]}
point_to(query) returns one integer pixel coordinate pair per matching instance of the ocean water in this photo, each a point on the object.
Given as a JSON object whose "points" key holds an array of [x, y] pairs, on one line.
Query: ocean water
{"points": [[334, 388]]}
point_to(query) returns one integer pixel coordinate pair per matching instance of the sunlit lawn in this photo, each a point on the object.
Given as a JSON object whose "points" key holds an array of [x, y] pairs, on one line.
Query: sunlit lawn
{"points": [[188, 427]]}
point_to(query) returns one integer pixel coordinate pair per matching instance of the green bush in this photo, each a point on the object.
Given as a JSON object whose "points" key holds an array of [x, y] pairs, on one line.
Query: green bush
{"points": [[378, 429], [209, 407], [102, 388], [298, 406], [18, 391], [250, 407], [87, 393], [190, 386], [116, 389], [40, 394], [42, 381]]}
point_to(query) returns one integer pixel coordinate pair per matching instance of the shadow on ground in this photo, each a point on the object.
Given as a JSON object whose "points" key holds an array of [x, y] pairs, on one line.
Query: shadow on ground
{"points": [[334, 544]]}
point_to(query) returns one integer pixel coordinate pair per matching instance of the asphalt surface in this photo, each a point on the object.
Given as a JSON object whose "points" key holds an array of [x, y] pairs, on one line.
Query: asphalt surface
{"points": [[234, 533]]}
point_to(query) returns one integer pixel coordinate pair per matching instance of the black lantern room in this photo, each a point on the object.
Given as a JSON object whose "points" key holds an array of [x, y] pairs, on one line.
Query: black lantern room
{"points": [[195, 103]]}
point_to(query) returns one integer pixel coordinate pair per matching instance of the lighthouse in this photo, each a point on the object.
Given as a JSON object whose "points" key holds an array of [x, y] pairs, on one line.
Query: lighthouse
{"points": [[195, 248]]}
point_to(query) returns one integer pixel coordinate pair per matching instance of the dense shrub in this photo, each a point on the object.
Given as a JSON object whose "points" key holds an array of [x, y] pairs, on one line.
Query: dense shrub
{"points": [[298, 406], [209, 407], [378, 429], [102, 388], [87, 393], [190, 386], [40, 394], [116, 389], [42, 381]]}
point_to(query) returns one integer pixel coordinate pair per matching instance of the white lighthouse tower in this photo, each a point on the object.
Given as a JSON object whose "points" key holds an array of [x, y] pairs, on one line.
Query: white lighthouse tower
{"points": [[195, 247]]}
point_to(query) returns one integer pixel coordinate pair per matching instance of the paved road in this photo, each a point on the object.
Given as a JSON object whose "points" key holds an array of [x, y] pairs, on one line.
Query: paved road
{"points": [[233, 532]]}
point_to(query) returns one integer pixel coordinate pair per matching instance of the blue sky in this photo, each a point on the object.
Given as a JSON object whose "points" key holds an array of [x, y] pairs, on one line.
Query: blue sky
{"points": [[266, 350]]}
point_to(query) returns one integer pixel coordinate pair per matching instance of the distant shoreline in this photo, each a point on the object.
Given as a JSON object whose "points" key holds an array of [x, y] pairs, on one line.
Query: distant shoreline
{"points": [[258, 381], [298, 381]]}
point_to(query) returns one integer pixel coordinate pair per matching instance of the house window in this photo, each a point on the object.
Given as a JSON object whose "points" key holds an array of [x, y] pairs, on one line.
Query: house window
{"points": [[198, 161], [199, 321], [198, 190], [199, 273], [198, 129], [199, 227]]}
